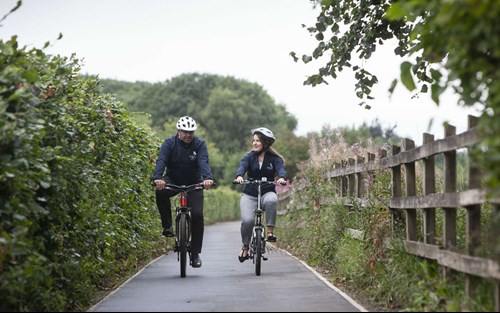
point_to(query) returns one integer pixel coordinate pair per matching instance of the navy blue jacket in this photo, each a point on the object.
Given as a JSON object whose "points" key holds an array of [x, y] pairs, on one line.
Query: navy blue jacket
{"points": [[272, 167], [185, 164]]}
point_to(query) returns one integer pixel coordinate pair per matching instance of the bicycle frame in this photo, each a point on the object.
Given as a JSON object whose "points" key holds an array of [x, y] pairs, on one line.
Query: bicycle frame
{"points": [[258, 242]]}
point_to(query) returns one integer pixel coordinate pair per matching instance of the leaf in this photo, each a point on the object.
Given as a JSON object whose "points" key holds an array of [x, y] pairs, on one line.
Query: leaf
{"points": [[6, 49], [406, 76], [11, 11], [395, 12], [45, 185], [30, 75], [393, 86], [436, 91], [306, 58]]}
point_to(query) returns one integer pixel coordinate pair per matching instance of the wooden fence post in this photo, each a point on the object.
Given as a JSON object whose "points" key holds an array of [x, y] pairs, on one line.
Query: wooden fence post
{"points": [[343, 182], [369, 177], [473, 222], [397, 219], [429, 188], [411, 190], [450, 185], [337, 180], [360, 179], [352, 178]]}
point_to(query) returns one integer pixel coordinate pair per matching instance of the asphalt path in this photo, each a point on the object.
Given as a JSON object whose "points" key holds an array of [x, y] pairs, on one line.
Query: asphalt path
{"points": [[223, 284]]}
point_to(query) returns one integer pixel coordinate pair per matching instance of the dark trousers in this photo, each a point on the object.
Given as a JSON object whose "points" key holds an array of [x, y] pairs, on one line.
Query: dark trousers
{"points": [[195, 202]]}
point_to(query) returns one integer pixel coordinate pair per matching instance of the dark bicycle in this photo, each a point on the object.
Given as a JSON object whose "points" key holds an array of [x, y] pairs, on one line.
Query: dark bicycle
{"points": [[183, 223], [258, 241]]}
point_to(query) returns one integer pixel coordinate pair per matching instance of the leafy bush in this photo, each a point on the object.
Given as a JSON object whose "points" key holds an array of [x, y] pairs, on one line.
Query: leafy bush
{"points": [[76, 209]]}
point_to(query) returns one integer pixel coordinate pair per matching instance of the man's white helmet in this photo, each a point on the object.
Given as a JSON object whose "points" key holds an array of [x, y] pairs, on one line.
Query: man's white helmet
{"points": [[266, 132], [186, 123]]}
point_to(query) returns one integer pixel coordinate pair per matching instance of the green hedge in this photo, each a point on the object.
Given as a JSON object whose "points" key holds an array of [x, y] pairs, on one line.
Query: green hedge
{"points": [[76, 209]]}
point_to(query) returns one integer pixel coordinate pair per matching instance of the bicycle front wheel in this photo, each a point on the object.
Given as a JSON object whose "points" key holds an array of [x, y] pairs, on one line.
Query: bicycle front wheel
{"points": [[258, 251], [183, 239]]}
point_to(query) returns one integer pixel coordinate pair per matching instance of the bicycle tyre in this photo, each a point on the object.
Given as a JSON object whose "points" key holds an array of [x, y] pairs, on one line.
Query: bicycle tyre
{"points": [[258, 251], [183, 243]]}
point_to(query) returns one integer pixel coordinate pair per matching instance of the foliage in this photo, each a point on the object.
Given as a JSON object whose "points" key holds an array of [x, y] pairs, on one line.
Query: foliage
{"points": [[226, 109], [451, 43], [127, 91], [222, 204], [377, 266], [230, 105], [72, 212]]}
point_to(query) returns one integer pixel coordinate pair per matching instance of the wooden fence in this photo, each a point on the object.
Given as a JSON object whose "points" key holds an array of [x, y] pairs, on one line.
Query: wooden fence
{"points": [[351, 176]]}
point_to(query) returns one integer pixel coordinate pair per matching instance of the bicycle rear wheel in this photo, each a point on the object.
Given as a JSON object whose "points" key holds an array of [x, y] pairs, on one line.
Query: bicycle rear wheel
{"points": [[258, 251], [183, 239]]}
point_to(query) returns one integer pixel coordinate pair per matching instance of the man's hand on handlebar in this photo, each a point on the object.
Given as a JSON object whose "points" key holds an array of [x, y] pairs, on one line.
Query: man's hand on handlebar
{"points": [[160, 183], [207, 183]]}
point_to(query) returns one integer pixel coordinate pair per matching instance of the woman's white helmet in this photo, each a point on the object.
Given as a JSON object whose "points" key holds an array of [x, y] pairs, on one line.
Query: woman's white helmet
{"points": [[187, 123], [266, 132]]}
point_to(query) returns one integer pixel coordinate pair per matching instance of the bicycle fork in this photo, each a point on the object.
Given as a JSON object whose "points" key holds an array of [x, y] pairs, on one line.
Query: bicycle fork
{"points": [[258, 231]]}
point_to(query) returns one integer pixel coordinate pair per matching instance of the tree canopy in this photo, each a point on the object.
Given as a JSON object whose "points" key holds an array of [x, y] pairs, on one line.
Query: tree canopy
{"points": [[446, 45], [226, 104]]}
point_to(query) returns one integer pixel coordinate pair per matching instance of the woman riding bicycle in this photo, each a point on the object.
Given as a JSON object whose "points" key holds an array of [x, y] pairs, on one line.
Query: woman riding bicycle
{"points": [[262, 161], [185, 159]]}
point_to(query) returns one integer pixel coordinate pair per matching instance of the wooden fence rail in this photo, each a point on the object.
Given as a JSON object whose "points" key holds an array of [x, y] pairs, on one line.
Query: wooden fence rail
{"points": [[351, 177]]}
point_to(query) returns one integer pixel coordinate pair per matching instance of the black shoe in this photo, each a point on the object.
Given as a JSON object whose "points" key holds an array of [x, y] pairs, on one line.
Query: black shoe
{"points": [[196, 261], [243, 256], [167, 232], [271, 237]]}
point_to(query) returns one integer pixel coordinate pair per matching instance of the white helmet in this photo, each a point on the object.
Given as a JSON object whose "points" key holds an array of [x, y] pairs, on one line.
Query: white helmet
{"points": [[266, 132], [186, 123]]}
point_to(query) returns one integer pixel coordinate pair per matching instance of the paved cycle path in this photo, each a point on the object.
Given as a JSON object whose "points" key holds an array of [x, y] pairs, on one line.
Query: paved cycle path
{"points": [[223, 284]]}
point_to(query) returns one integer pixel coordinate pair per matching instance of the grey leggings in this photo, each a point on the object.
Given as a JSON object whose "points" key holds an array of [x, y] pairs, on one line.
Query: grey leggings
{"points": [[248, 204]]}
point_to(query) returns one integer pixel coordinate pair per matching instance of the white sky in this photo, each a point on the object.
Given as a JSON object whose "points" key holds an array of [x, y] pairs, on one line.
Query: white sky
{"points": [[156, 40]]}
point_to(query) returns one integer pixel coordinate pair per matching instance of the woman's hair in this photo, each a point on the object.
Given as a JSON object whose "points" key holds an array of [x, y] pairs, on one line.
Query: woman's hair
{"points": [[267, 143]]}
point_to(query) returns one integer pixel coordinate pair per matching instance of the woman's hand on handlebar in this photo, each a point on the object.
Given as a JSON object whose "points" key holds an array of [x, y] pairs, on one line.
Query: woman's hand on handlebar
{"points": [[281, 181], [238, 180]]}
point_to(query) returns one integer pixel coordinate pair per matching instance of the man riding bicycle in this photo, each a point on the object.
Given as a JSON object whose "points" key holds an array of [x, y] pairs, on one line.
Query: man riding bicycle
{"points": [[262, 161], [183, 160]]}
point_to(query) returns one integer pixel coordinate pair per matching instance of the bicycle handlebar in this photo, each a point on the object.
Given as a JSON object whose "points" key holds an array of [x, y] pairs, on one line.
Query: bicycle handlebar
{"points": [[170, 186], [257, 182]]}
